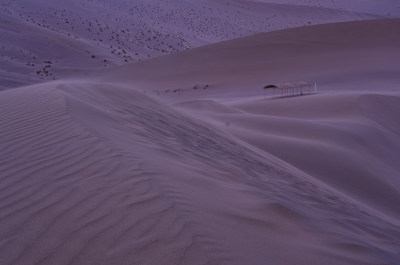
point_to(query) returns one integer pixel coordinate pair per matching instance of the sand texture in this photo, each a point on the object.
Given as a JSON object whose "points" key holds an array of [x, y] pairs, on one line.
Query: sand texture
{"points": [[183, 159]]}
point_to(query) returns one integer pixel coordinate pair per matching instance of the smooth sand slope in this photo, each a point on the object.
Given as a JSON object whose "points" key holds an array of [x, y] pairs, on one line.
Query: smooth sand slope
{"points": [[117, 170], [390, 8], [361, 55], [349, 141]]}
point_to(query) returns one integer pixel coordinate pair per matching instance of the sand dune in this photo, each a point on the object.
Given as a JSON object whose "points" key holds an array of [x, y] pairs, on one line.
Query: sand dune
{"points": [[181, 159], [388, 8], [346, 56], [97, 174], [77, 35], [69, 194], [331, 137]]}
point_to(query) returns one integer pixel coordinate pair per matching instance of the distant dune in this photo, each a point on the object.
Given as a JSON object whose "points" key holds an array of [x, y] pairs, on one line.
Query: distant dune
{"points": [[79, 35], [361, 55], [389, 8], [183, 159]]}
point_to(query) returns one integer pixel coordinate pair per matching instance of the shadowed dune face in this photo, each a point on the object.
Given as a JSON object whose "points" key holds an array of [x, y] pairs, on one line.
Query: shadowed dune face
{"points": [[97, 174]]}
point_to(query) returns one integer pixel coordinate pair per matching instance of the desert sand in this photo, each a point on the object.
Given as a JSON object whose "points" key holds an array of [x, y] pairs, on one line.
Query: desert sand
{"points": [[182, 159], [79, 36]]}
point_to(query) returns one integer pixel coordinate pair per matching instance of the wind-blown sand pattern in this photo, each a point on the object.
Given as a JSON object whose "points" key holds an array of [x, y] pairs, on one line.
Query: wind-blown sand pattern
{"points": [[182, 159], [122, 179], [77, 194]]}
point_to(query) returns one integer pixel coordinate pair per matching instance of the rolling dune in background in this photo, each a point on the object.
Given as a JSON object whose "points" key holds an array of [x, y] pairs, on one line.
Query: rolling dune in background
{"points": [[80, 36]]}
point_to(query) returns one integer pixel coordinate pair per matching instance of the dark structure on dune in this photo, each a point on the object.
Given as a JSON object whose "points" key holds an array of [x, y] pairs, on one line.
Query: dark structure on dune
{"points": [[290, 89]]}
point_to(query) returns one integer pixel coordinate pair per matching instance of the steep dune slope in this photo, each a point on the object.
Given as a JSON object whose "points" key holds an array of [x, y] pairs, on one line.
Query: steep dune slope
{"points": [[349, 141], [98, 174]]}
